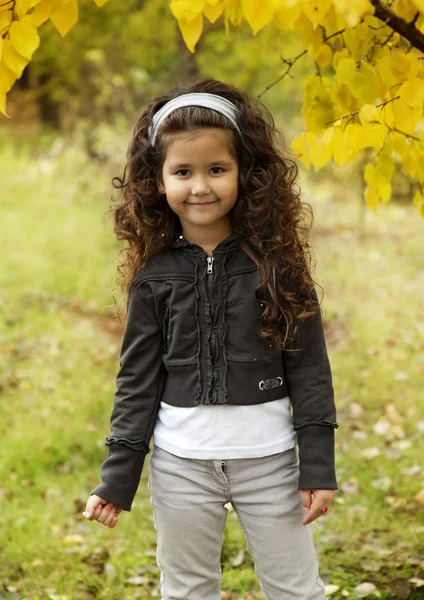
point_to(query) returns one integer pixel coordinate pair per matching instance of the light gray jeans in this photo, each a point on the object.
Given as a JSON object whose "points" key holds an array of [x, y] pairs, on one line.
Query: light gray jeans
{"points": [[188, 497]]}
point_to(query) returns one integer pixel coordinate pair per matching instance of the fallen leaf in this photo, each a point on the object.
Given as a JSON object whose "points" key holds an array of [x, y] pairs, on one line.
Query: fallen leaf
{"points": [[412, 470], [356, 410], [364, 589], [331, 589], [237, 561], [370, 453], [137, 580], [350, 486], [73, 540], [420, 496], [110, 571], [383, 483], [382, 427]]}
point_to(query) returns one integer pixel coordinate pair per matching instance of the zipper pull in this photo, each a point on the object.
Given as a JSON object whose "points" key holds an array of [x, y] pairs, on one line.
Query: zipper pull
{"points": [[210, 264]]}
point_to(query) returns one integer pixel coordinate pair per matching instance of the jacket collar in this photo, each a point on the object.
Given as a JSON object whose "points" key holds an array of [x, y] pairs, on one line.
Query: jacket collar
{"points": [[232, 241]]}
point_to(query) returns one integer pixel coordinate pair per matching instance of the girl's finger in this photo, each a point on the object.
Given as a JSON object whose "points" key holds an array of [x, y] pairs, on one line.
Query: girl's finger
{"points": [[98, 512], [109, 517], [113, 522]]}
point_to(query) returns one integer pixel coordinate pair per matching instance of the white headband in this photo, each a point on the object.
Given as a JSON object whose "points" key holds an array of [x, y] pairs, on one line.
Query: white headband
{"points": [[213, 101]]}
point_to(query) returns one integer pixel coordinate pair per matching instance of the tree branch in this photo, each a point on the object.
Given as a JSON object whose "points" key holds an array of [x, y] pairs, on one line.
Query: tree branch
{"points": [[406, 30]]}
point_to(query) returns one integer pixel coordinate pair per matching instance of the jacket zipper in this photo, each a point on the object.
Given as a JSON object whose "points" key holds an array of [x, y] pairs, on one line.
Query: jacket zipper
{"points": [[210, 260]]}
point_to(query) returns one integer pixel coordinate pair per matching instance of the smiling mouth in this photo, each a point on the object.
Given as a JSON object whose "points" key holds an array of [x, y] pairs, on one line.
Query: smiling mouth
{"points": [[201, 203]]}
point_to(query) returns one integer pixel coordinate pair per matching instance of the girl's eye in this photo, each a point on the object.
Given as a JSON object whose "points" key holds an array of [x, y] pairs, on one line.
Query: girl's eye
{"points": [[183, 172]]}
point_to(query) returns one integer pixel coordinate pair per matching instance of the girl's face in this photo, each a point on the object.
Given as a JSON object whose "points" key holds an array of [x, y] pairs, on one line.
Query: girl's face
{"points": [[200, 178]]}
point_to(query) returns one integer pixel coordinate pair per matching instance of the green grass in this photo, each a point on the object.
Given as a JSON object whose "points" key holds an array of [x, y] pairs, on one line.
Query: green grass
{"points": [[58, 362]]}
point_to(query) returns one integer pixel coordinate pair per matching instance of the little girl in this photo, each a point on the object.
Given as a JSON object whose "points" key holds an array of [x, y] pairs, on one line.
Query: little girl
{"points": [[223, 338]]}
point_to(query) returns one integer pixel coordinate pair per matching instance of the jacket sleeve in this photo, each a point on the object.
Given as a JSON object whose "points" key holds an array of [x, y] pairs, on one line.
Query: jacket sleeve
{"points": [[309, 379], [140, 382]]}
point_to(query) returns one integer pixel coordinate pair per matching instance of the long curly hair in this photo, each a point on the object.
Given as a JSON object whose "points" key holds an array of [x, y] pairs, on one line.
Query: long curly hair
{"points": [[269, 215]]}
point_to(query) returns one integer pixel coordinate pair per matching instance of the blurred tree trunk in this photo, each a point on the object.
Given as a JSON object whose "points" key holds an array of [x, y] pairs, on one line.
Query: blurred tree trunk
{"points": [[187, 65], [49, 109]]}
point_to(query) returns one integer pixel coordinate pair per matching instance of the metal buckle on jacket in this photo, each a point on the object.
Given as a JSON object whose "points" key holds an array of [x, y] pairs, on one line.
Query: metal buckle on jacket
{"points": [[270, 384]]}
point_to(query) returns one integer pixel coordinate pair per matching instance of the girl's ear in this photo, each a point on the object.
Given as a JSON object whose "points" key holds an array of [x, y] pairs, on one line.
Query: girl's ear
{"points": [[160, 185]]}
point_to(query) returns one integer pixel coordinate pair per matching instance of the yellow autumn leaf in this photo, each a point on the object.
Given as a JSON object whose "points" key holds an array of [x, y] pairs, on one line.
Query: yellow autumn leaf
{"points": [[359, 85], [340, 147], [213, 11], [406, 117], [64, 16], [1, 47], [371, 197], [398, 142], [386, 77], [12, 59], [385, 166], [302, 145], [286, 13], [343, 99], [419, 5], [370, 175], [365, 83], [356, 139], [304, 27], [418, 198], [338, 55], [400, 65], [410, 160], [233, 12], [21, 7], [414, 65], [5, 19], [376, 135], [316, 10], [323, 55], [412, 92], [317, 107], [320, 153], [366, 113], [384, 188], [100, 3], [191, 31], [7, 78], [388, 116], [3, 104], [351, 41], [257, 13], [354, 10], [25, 38], [187, 10], [345, 70], [40, 14]]}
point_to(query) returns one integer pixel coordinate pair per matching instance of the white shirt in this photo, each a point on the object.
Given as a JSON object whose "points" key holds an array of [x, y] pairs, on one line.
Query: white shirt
{"points": [[225, 430]]}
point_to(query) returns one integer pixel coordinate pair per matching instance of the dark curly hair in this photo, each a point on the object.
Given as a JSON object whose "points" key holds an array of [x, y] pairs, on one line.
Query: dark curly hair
{"points": [[269, 215]]}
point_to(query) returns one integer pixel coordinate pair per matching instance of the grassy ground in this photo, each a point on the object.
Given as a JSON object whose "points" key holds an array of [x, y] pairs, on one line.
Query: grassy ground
{"points": [[58, 360]]}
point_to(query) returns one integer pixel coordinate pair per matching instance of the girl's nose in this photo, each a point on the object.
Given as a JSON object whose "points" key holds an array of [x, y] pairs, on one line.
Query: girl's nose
{"points": [[200, 187]]}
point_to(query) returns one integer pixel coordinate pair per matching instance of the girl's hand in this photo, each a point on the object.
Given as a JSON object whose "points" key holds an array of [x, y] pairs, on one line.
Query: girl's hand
{"points": [[313, 500], [99, 509]]}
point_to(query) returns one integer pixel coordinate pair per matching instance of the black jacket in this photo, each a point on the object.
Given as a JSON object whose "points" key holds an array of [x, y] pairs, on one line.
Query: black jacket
{"points": [[192, 337]]}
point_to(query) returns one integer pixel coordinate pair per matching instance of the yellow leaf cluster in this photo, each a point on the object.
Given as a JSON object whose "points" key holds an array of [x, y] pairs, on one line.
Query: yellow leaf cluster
{"points": [[375, 98], [19, 38]]}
